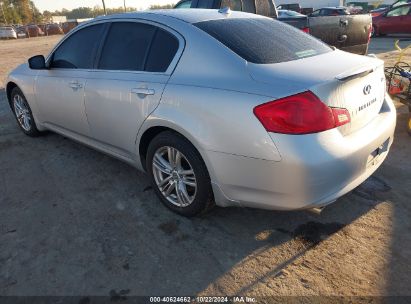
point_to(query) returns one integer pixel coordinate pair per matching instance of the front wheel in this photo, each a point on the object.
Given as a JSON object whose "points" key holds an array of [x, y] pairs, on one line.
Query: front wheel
{"points": [[178, 174], [23, 114]]}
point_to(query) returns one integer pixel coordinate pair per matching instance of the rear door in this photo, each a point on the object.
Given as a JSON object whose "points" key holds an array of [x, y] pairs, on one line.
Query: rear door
{"points": [[134, 65]]}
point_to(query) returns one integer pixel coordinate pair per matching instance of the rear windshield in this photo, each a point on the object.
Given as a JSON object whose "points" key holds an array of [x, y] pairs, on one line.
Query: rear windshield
{"points": [[263, 40]]}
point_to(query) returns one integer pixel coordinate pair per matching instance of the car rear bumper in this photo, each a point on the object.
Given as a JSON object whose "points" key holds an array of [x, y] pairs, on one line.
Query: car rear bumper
{"points": [[315, 169]]}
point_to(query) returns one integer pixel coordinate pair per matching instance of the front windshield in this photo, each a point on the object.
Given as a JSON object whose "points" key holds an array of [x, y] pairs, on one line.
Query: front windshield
{"points": [[398, 3], [400, 11], [292, 13]]}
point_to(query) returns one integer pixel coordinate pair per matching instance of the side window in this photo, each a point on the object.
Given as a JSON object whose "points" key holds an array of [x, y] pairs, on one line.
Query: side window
{"points": [[78, 50], [399, 11], [234, 5], [183, 4], [126, 46], [205, 4], [162, 51], [398, 3], [315, 13]]}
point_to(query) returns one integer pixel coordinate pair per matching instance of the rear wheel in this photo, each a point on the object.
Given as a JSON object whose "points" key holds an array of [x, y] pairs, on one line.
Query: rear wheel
{"points": [[178, 174], [23, 114]]}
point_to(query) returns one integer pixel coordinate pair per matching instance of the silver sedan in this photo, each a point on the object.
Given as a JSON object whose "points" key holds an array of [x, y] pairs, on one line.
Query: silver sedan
{"points": [[7, 32], [218, 107]]}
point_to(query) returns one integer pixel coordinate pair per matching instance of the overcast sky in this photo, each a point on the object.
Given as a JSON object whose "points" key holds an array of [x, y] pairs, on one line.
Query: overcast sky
{"points": [[52, 5]]}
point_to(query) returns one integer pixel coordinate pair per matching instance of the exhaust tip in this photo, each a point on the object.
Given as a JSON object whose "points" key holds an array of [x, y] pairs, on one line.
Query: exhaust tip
{"points": [[316, 210]]}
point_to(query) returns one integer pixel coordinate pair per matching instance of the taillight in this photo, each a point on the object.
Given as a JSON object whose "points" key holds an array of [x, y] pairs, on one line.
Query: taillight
{"points": [[303, 113], [306, 30]]}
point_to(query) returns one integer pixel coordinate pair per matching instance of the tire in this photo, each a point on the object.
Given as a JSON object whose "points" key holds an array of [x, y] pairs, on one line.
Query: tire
{"points": [[22, 113], [169, 175]]}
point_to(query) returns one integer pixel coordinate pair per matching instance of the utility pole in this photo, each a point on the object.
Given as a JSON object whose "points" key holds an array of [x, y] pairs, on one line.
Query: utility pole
{"points": [[104, 7], [125, 8], [2, 11]]}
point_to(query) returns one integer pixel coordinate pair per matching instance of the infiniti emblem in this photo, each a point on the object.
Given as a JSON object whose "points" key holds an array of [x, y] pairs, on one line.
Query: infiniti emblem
{"points": [[367, 89]]}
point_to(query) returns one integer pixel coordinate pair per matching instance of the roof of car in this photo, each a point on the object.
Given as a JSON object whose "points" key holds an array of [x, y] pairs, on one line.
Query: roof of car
{"points": [[334, 7], [188, 15]]}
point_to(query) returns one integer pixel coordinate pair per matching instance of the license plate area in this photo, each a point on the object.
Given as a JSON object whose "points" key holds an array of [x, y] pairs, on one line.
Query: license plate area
{"points": [[375, 156]]}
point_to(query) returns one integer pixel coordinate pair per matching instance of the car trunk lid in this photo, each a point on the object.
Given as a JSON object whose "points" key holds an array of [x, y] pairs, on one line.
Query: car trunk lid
{"points": [[339, 79]]}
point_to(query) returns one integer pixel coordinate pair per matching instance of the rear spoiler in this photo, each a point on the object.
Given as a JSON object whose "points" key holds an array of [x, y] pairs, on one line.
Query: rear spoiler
{"points": [[360, 72]]}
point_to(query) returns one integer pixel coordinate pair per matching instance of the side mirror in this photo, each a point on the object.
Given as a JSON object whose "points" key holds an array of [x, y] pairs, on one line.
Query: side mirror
{"points": [[37, 62]]}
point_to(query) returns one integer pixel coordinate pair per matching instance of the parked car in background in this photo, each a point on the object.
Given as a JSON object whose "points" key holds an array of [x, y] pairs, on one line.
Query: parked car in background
{"points": [[28, 31], [380, 9], [306, 10], [21, 32], [34, 31], [290, 7], [397, 20], [283, 14], [72, 23], [183, 4], [290, 124], [7, 32], [385, 8], [295, 19], [350, 33], [68, 26], [357, 7], [330, 11], [42, 26], [53, 29]]}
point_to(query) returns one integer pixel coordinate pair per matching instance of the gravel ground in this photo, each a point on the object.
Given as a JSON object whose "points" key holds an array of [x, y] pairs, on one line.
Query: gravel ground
{"points": [[76, 222]]}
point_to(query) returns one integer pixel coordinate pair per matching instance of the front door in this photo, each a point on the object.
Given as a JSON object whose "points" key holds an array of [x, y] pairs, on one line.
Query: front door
{"points": [[60, 89], [133, 69], [395, 20]]}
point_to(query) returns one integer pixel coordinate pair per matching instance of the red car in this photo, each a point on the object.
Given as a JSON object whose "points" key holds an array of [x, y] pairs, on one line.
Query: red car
{"points": [[382, 8], [395, 21], [53, 29]]}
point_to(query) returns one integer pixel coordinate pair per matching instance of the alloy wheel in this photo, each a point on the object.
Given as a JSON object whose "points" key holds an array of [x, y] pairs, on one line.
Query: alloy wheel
{"points": [[174, 176], [22, 112]]}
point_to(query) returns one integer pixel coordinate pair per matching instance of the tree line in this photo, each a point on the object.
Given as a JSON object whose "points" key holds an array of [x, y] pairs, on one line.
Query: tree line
{"points": [[18, 11], [25, 12]]}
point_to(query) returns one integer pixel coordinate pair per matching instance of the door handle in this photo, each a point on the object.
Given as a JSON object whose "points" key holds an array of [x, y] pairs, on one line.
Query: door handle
{"points": [[75, 85], [143, 91]]}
